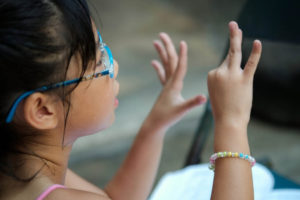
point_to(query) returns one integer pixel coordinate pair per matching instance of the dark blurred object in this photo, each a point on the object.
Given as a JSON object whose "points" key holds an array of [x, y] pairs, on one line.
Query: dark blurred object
{"points": [[277, 81]]}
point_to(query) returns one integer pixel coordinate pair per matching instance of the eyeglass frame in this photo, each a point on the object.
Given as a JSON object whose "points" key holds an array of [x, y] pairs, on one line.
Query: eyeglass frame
{"points": [[109, 70]]}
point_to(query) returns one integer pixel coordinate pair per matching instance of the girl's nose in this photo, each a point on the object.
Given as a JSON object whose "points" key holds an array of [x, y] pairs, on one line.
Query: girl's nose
{"points": [[116, 68]]}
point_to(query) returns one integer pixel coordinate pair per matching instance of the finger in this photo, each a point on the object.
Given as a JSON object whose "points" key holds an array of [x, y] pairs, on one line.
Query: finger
{"points": [[191, 103], [182, 63], [235, 54], [171, 51], [162, 53], [159, 70], [253, 60]]}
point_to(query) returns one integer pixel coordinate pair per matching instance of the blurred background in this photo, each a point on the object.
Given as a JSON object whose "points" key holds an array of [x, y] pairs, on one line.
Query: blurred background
{"points": [[129, 28]]}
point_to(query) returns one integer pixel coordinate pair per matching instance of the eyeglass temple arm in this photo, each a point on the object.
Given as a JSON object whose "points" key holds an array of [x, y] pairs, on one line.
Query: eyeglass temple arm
{"points": [[57, 85]]}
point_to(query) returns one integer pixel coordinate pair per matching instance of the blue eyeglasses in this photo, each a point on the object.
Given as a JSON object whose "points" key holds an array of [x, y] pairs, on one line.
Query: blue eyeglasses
{"points": [[108, 64]]}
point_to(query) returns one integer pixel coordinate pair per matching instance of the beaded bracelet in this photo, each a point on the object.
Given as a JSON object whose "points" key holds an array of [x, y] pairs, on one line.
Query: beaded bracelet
{"points": [[226, 154]]}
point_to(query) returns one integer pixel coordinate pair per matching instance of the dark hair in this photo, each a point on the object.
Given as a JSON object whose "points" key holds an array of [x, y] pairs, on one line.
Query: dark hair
{"points": [[37, 40]]}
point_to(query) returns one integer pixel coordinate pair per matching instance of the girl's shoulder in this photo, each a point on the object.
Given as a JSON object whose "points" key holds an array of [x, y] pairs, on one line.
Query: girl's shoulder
{"points": [[69, 193]]}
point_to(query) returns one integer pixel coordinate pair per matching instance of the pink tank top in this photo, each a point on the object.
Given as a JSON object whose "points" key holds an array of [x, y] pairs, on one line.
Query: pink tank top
{"points": [[49, 190]]}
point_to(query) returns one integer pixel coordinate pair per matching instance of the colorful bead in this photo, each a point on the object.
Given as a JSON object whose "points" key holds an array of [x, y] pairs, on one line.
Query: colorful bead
{"points": [[215, 156], [229, 154], [236, 155]]}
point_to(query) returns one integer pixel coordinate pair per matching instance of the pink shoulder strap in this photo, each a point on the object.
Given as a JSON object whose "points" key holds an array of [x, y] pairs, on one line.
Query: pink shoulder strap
{"points": [[49, 190]]}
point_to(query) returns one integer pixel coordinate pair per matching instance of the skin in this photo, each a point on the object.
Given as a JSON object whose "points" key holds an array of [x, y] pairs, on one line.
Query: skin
{"points": [[46, 114]]}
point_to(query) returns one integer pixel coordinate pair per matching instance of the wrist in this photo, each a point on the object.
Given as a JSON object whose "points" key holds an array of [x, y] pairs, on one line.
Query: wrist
{"points": [[149, 126], [238, 124], [231, 137]]}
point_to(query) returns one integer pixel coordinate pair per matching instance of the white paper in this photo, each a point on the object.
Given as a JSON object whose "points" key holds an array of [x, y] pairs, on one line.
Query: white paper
{"points": [[195, 183]]}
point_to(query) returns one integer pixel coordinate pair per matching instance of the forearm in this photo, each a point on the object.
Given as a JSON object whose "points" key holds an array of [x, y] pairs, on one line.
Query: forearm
{"points": [[135, 178], [233, 177]]}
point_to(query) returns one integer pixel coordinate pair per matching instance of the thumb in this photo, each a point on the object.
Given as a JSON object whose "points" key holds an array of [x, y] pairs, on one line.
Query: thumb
{"points": [[191, 103]]}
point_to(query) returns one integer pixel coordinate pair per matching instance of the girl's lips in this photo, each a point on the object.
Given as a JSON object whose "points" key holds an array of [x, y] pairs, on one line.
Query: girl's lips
{"points": [[116, 102]]}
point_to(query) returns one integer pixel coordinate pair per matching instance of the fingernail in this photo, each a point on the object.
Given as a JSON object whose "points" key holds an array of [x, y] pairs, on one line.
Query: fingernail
{"points": [[257, 40], [233, 23]]}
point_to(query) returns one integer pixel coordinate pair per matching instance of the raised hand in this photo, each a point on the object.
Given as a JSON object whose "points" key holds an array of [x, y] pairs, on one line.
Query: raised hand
{"points": [[230, 86], [170, 105]]}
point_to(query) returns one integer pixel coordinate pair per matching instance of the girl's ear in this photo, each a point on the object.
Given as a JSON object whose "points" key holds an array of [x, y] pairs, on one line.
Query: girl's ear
{"points": [[41, 111]]}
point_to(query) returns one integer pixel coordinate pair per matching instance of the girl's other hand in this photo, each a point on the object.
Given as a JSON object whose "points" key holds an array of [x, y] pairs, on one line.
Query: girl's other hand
{"points": [[170, 106], [230, 87]]}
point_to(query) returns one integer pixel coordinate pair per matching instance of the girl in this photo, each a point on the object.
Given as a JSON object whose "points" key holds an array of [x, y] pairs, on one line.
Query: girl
{"points": [[58, 83]]}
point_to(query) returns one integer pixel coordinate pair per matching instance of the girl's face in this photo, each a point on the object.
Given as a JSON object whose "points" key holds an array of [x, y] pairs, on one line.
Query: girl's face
{"points": [[92, 102]]}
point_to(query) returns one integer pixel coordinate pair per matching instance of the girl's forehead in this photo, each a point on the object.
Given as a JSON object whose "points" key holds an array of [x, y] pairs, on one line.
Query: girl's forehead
{"points": [[95, 29], [96, 36], [75, 62]]}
